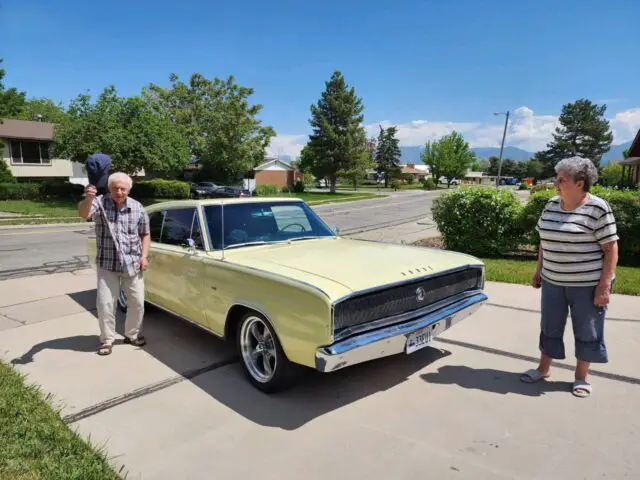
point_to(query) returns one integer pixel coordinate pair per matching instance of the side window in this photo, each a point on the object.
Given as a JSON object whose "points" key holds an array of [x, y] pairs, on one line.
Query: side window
{"points": [[155, 225], [213, 215], [180, 225]]}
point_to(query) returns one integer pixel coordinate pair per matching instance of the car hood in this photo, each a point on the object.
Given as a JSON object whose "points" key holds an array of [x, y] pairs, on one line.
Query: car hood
{"points": [[340, 266]]}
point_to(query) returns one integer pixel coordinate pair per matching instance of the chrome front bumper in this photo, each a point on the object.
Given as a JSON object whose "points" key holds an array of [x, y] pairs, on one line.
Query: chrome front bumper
{"points": [[391, 340]]}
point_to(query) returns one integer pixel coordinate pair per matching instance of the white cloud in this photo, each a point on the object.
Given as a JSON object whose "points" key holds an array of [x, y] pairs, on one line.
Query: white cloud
{"points": [[526, 130]]}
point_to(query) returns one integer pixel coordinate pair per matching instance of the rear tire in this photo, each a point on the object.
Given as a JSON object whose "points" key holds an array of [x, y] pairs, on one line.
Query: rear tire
{"points": [[261, 355]]}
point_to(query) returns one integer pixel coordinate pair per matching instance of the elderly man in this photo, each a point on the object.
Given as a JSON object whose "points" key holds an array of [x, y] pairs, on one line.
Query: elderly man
{"points": [[122, 240]]}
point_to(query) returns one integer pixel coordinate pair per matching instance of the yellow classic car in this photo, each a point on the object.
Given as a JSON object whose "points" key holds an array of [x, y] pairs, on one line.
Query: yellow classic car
{"points": [[270, 275]]}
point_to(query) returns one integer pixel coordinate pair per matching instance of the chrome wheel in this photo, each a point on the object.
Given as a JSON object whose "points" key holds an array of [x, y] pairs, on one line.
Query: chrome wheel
{"points": [[258, 349]]}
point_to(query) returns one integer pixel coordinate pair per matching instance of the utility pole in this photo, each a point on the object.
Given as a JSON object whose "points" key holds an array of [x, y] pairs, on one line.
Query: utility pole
{"points": [[504, 134]]}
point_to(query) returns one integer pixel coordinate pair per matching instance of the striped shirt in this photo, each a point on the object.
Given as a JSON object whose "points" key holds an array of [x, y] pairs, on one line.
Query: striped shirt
{"points": [[128, 224], [571, 241]]}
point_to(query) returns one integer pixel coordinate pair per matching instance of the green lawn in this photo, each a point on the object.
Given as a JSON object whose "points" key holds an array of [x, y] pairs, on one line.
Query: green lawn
{"points": [[313, 198], [45, 208], [35, 443], [520, 271]]}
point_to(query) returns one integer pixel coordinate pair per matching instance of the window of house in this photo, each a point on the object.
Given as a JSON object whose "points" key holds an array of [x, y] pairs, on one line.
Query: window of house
{"points": [[30, 152], [180, 225]]}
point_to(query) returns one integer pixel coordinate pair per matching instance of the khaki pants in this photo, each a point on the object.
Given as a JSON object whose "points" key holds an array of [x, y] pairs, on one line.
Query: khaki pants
{"points": [[109, 284]]}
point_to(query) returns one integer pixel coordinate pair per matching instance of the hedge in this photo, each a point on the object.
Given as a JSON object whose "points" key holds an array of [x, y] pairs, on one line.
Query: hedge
{"points": [[19, 191], [160, 188], [481, 221], [40, 191], [486, 222], [266, 190]]}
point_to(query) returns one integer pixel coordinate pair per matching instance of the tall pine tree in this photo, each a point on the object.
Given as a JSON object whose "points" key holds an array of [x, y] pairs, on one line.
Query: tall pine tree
{"points": [[583, 131], [338, 140], [387, 156]]}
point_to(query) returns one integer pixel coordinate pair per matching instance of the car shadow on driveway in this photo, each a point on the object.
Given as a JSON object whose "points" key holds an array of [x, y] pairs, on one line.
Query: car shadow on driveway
{"points": [[494, 381], [213, 366]]}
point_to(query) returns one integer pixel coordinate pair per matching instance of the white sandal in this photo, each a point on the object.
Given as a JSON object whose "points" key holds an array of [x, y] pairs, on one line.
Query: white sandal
{"points": [[532, 376], [581, 388]]}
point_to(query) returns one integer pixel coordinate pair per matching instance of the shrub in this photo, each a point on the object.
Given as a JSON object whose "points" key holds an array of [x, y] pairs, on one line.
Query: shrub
{"points": [[266, 190], [161, 188], [626, 210], [395, 184], [530, 214], [298, 187], [480, 221], [19, 191], [65, 190], [429, 184], [524, 186], [542, 187], [5, 172]]}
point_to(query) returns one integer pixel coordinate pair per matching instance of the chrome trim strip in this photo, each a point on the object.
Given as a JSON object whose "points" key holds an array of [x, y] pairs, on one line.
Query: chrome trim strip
{"points": [[180, 317], [392, 340], [385, 286], [383, 322]]}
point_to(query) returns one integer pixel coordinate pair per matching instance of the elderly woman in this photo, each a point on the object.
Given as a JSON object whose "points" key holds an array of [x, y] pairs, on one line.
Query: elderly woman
{"points": [[576, 269]]}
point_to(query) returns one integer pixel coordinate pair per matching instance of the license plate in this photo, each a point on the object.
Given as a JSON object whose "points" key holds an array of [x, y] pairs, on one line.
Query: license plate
{"points": [[419, 339]]}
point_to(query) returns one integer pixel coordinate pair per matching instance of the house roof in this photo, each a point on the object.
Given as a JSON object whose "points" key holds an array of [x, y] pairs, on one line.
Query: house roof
{"points": [[634, 149], [273, 161], [26, 130]]}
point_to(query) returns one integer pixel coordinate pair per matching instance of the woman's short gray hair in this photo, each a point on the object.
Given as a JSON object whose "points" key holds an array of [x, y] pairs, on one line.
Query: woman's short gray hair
{"points": [[114, 177], [579, 168]]}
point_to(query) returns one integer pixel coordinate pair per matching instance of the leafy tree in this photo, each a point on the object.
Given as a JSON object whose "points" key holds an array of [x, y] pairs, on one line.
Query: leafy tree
{"points": [[485, 165], [43, 109], [611, 174], [476, 166], [338, 139], [135, 136], [625, 153], [218, 123], [11, 100], [533, 168], [583, 131], [387, 155], [448, 157], [5, 173]]}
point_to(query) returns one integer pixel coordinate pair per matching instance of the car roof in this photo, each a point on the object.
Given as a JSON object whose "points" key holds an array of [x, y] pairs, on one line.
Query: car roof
{"points": [[219, 201]]}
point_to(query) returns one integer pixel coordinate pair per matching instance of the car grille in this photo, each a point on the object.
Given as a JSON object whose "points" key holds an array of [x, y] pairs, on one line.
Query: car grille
{"points": [[404, 298]]}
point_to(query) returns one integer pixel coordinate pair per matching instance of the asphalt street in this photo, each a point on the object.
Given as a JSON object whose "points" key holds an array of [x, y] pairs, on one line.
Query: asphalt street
{"points": [[57, 249]]}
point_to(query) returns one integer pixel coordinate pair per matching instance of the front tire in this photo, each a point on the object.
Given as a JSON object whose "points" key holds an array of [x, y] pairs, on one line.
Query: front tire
{"points": [[261, 355]]}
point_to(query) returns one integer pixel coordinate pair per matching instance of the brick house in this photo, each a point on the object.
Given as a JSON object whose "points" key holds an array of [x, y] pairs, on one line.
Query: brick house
{"points": [[276, 172]]}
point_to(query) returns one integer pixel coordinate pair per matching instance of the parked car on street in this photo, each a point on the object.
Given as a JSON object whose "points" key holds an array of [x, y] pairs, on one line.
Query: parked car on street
{"points": [[270, 275], [203, 189]]}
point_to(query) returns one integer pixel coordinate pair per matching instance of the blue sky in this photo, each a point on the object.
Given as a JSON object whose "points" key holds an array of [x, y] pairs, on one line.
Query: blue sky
{"points": [[426, 66]]}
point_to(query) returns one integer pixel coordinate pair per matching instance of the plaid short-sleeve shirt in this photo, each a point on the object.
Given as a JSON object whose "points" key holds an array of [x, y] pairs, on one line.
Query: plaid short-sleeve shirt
{"points": [[129, 224]]}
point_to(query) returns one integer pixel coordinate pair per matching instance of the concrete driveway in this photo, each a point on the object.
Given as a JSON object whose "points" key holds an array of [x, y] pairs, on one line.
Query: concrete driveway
{"points": [[180, 408]]}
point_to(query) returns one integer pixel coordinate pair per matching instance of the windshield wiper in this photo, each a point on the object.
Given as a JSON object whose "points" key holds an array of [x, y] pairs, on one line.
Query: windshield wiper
{"points": [[245, 244], [308, 237]]}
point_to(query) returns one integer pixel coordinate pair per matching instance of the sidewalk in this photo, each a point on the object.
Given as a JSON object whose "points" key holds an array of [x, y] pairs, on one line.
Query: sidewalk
{"points": [[180, 407]]}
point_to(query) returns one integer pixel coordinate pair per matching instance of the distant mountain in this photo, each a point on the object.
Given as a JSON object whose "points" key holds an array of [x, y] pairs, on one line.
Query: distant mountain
{"points": [[615, 152], [412, 154]]}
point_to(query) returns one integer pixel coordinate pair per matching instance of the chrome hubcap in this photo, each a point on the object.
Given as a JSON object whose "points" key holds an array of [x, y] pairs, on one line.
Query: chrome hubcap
{"points": [[258, 349]]}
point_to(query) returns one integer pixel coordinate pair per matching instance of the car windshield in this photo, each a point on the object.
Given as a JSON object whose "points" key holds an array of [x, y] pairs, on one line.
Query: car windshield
{"points": [[256, 223]]}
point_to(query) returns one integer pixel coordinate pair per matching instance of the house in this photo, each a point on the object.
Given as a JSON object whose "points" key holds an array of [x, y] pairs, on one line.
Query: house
{"points": [[478, 178], [26, 149], [631, 164], [417, 172], [276, 172]]}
